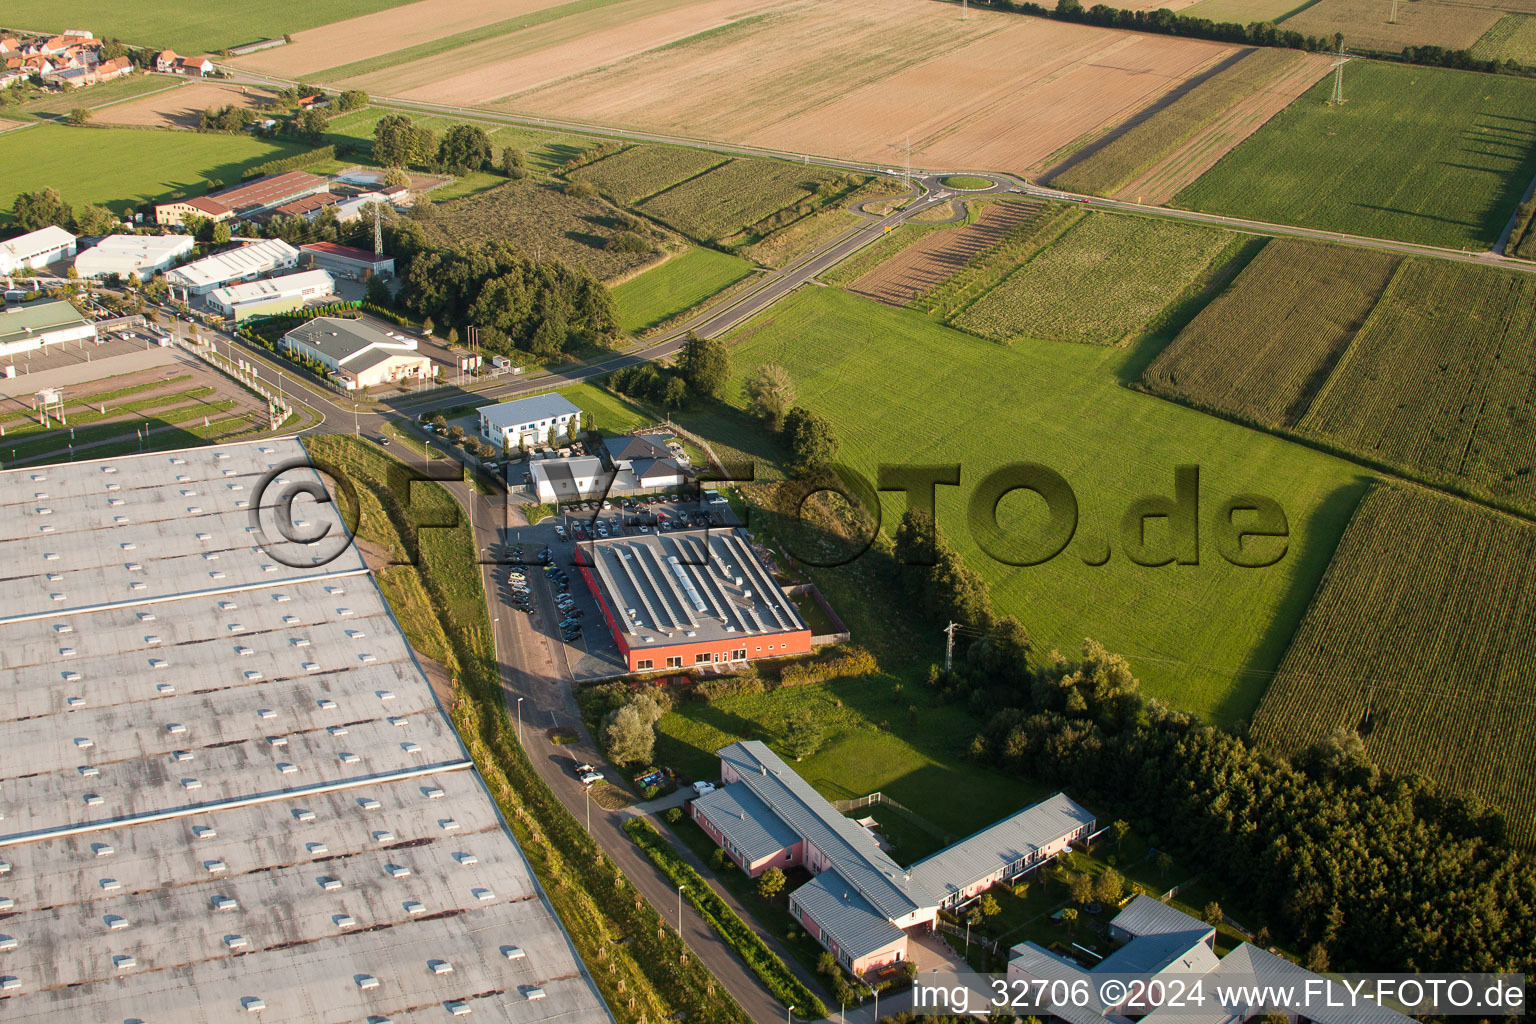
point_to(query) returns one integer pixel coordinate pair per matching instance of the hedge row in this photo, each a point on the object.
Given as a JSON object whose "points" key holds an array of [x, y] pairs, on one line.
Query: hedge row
{"points": [[765, 963], [296, 162]]}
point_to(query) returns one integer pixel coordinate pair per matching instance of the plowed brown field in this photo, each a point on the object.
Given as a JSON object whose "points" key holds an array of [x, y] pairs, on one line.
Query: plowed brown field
{"points": [[180, 108], [936, 256]]}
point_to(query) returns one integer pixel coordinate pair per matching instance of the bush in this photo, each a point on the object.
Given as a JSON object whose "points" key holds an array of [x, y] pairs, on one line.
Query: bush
{"points": [[628, 241], [673, 815], [297, 162], [849, 661], [581, 190]]}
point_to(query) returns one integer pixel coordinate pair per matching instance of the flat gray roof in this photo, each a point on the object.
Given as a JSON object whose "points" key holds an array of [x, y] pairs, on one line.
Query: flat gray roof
{"points": [[746, 821], [856, 926], [999, 846], [519, 411], [228, 778], [342, 338], [1144, 915], [689, 586]]}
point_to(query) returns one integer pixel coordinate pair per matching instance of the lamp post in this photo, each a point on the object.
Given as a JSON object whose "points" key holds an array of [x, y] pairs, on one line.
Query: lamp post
{"points": [[519, 721], [680, 910], [789, 1015], [588, 791]]}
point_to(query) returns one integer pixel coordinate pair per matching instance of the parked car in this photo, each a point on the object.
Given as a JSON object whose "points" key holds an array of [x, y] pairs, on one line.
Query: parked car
{"points": [[383, 440], [590, 777]]}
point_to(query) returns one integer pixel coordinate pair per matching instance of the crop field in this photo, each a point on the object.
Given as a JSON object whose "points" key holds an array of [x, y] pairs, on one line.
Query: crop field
{"points": [[848, 80], [988, 267], [179, 107], [1419, 154], [1442, 379], [96, 96], [187, 28], [1136, 149], [1423, 638], [546, 150], [721, 204], [939, 254], [1513, 37], [544, 221], [391, 34], [1262, 348], [675, 287], [1242, 12], [1217, 630], [1366, 26], [123, 167], [1100, 283], [639, 172]]}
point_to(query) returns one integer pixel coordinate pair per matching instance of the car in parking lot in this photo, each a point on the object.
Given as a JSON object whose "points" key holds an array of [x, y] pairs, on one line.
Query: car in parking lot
{"points": [[587, 778]]}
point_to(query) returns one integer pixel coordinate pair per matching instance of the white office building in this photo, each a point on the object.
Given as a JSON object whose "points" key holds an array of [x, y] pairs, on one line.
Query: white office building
{"points": [[35, 249], [272, 295], [137, 256], [529, 420], [245, 263]]}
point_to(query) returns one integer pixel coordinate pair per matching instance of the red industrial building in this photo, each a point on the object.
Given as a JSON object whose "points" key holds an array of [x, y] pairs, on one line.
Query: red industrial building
{"points": [[691, 597]]}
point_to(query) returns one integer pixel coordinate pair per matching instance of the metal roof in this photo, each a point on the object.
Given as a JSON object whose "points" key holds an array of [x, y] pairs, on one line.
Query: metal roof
{"points": [[836, 905], [287, 286], [1179, 952], [505, 415], [689, 586], [746, 821], [996, 847], [637, 446], [228, 779], [126, 254], [1037, 963], [1144, 915], [254, 258], [35, 243], [21, 322], [345, 339], [849, 846]]}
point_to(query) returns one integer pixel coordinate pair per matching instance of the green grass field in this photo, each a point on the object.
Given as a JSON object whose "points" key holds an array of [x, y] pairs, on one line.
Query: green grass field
{"points": [[966, 181], [611, 414], [546, 150], [874, 741], [1513, 37], [123, 167], [901, 388], [186, 28], [1100, 283], [1419, 154], [679, 284]]}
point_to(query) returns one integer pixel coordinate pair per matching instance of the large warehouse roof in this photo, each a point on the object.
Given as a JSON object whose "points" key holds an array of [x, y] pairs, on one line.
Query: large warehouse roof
{"points": [[228, 783], [233, 264], [692, 586]]}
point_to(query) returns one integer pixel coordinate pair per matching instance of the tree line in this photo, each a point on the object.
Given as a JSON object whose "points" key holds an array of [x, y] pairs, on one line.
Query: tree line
{"points": [[399, 141], [1259, 33], [1362, 869]]}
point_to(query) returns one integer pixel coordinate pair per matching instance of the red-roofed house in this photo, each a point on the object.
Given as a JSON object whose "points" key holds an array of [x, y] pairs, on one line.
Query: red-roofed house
{"points": [[199, 66], [117, 67], [9, 45], [57, 44], [165, 61]]}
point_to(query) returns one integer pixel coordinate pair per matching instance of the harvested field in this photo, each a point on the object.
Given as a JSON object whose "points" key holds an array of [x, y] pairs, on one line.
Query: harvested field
{"points": [[848, 80], [1365, 26], [1422, 637], [1442, 379], [1100, 283], [539, 220], [1171, 174], [1101, 168], [382, 32], [719, 205], [939, 254], [640, 172], [1242, 12], [1513, 37], [180, 108], [1261, 349]]}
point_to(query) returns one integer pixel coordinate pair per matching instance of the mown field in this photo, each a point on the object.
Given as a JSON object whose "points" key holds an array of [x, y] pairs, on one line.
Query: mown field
{"points": [[1100, 283], [1366, 24], [1513, 37], [679, 284], [1442, 379], [1160, 134], [546, 150], [900, 388], [187, 28], [1242, 12], [124, 167], [639, 172], [1420, 154], [989, 266], [96, 95], [1262, 348], [542, 221], [1423, 638], [716, 206]]}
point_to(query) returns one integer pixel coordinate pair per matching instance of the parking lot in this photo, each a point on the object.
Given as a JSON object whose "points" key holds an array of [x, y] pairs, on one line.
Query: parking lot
{"points": [[552, 592]]}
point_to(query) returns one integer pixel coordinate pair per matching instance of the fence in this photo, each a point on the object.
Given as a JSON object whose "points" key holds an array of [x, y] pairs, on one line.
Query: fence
{"points": [[959, 931], [278, 406], [877, 797], [840, 634]]}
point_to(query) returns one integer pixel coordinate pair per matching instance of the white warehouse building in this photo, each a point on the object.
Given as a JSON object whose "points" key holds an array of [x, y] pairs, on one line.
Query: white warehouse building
{"points": [[137, 256], [529, 420], [245, 263], [273, 295], [35, 249]]}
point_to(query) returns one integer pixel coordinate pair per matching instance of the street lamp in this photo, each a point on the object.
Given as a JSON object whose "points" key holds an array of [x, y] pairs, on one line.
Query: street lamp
{"points": [[680, 910], [788, 1015], [519, 721], [588, 791]]}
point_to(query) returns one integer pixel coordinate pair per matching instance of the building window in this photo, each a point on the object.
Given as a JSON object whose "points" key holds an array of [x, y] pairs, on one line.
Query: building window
{"points": [[675, 662], [699, 659], [643, 663], [740, 655]]}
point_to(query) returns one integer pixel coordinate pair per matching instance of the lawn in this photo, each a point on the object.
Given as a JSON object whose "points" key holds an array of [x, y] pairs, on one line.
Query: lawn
{"points": [[1419, 154], [124, 167], [966, 181], [877, 738], [1202, 636], [186, 28], [546, 150], [607, 411], [679, 284]]}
